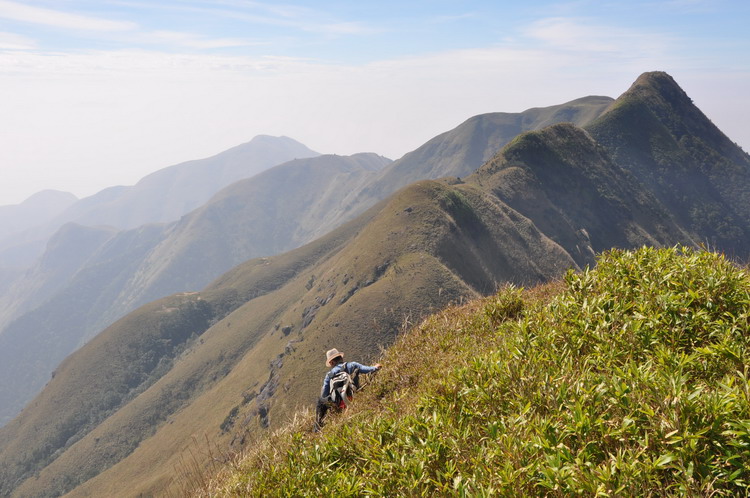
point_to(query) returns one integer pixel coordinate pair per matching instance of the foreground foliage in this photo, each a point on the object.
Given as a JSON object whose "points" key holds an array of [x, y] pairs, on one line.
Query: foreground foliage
{"points": [[631, 380]]}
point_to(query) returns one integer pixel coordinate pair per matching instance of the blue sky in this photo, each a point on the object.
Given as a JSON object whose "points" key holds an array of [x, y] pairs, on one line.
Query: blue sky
{"points": [[100, 93]]}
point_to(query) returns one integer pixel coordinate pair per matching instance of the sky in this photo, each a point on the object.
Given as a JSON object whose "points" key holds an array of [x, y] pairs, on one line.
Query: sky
{"points": [[97, 93]]}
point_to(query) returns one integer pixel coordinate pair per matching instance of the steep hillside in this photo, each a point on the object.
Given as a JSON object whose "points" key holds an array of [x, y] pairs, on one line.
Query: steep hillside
{"points": [[271, 213], [592, 387], [571, 189], [655, 132], [34, 344], [245, 353]]}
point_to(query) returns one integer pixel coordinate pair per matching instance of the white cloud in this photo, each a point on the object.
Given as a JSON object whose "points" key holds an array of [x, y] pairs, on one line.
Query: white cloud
{"points": [[581, 35], [189, 40], [36, 15], [12, 41]]}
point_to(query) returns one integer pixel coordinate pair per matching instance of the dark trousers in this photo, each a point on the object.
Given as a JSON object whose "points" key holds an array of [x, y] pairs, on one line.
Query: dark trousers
{"points": [[321, 409]]}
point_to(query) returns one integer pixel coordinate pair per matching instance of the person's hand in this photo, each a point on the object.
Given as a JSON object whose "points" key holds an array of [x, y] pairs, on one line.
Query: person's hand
{"points": [[378, 366]]}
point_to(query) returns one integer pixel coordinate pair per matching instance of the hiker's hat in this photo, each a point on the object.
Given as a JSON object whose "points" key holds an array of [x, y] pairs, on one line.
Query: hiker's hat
{"points": [[332, 354]]}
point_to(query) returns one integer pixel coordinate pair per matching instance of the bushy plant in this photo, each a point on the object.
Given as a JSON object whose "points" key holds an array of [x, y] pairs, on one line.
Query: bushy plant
{"points": [[632, 381]]}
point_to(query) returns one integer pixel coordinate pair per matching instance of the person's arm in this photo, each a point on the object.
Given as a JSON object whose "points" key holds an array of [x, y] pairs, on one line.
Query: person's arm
{"points": [[326, 386], [364, 369]]}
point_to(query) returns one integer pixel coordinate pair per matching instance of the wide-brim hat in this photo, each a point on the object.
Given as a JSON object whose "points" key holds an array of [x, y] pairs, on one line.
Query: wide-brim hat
{"points": [[332, 354]]}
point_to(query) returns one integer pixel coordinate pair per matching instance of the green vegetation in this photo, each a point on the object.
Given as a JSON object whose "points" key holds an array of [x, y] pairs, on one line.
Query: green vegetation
{"points": [[656, 133], [628, 379]]}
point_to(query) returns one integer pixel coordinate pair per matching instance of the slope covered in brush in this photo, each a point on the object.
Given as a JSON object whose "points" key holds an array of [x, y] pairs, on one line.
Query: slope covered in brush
{"points": [[572, 190], [629, 380], [655, 132]]}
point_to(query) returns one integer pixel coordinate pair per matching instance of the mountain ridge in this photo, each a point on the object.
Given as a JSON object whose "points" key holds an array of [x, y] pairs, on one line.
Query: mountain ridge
{"points": [[672, 146], [486, 133], [432, 243]]}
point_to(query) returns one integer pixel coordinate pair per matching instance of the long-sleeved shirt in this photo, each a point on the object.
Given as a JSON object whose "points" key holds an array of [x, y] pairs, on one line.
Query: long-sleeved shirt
{"points": [[350, 367]]}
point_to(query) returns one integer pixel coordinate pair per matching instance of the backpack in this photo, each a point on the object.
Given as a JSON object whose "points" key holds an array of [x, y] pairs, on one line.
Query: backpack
{"points": [[342, 388]]}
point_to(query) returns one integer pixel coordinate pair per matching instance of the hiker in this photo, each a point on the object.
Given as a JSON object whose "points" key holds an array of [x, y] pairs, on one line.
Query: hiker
{"points": [[340, 383]]}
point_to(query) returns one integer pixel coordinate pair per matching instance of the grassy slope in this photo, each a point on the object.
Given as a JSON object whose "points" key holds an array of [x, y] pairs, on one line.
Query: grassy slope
{"points": [[386, 274], [567, 184], [629, 379], [655, 132]]}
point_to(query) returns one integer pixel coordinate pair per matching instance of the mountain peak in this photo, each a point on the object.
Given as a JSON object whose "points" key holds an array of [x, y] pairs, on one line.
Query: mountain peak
{"points": [[657, 95], [655, 78], [269, 139], [50, 196], [659, 85]]}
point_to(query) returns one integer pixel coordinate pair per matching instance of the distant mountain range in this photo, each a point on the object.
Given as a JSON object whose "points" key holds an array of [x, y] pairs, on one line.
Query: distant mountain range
{"points": [[36, 210], [122, 412], [163, 196]]}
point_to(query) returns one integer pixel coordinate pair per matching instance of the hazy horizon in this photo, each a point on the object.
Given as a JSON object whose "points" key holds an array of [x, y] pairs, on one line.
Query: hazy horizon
{"points": [[98, 94]]}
